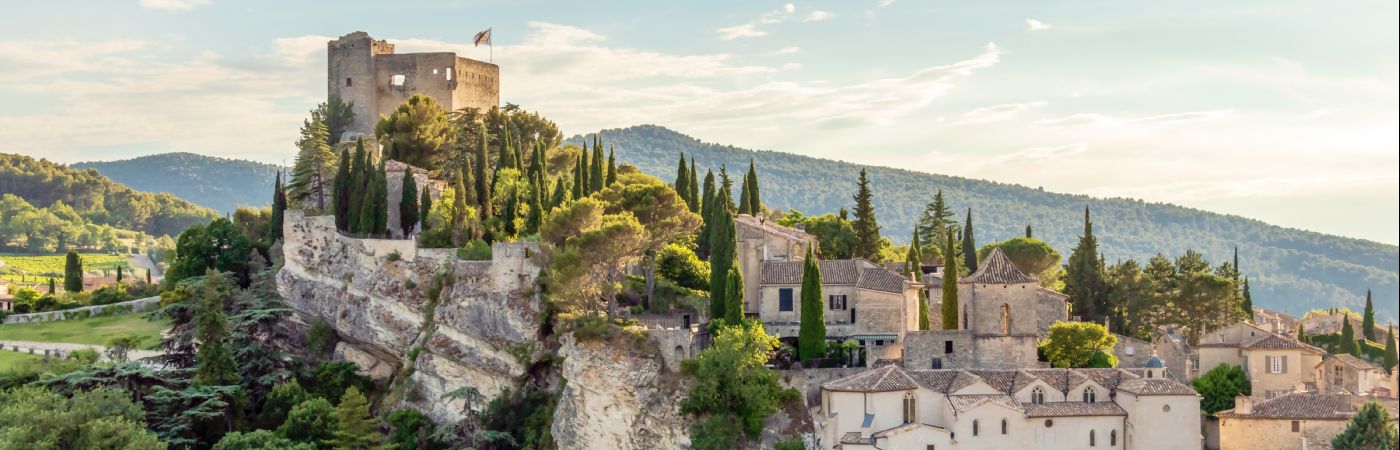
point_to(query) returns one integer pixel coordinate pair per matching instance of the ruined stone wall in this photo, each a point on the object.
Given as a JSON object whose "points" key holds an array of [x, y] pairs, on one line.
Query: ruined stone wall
{"points": [[422, 73], [351, 75], [478, 85], [921, 347]]}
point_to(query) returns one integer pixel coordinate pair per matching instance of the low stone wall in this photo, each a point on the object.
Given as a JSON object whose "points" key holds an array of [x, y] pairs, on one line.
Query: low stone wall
{"points": [[126, 307], [810, 381]]}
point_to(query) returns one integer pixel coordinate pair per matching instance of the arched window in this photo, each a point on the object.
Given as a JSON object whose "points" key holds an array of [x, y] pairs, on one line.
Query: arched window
{"points": [[1003, 426], [1091, 438], [910, 408], [976, 427], [964, 319], [1089, 395], [1006, 319], [1112, 438], [1038, 396]]}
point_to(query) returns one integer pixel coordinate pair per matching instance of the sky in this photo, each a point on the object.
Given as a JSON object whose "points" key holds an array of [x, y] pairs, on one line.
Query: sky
{"points": [[1284, 111]]}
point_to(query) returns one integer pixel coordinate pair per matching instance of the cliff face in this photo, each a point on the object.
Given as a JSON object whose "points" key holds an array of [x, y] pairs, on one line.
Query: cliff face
{"points": [[373, 293], [618, 396]]}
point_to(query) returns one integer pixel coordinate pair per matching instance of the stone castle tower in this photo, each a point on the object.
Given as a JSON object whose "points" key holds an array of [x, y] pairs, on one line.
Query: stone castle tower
{"points": [[367, 73]]}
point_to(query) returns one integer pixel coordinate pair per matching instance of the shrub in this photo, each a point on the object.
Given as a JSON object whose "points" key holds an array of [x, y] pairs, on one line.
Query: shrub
{"points": [[789, 444], [678, 263], [331, 379], [260, 440], [411, 430], [394, 256], [107, 295], [320, 338], [311, 421], [1219, 386], [733, 387], [476, 250]]}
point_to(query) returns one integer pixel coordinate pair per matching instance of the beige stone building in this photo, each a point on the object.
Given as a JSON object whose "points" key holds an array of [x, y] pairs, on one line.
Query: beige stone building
{"points": [[1348, 374], [1276, 322], [760, 241], [893, 408], [367, 73], [1275, 364], [1293, 421]]}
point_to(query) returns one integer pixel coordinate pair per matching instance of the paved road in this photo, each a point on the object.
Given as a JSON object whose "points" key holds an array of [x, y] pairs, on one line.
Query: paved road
{"points": [[65, 348]]}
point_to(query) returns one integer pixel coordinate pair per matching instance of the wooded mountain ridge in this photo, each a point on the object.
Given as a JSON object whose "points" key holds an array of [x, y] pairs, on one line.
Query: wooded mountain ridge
{"points": [[219, 183]]}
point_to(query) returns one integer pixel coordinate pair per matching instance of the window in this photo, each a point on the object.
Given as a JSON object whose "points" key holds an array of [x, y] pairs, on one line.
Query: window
{"points": [[785, 299], [1038, 396], [1129, 351], [397, 80], [348, 82], [1295, 426], [947, 347], [449, 74], [938, 363], [976, 428], [1049, 423], [1091, 438], [1277, 364], [1089, 395], [1112, 438], [1006, 319], [910, 408], [930, 447], [836, 302], [1337, 375], [1003, 426]]}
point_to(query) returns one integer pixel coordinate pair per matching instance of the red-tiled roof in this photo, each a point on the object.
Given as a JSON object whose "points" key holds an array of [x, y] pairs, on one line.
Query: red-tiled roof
{"points": [[1155, 386], [998, 269], [1073, 409], [837, 272]]}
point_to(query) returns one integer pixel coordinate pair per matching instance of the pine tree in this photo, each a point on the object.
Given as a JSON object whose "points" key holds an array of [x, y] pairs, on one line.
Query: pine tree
{"points": [[1368, 319], [612, 168], [73, 272], [1349, 338], [811, 336], [1370, 429], [867, 230], [913, 264], [480, 182], [1084, 276], [425, 206], [694, 187], [340, 202], [1248, 301], [381, 200], [726, 185], [682, 183], [969, 245], [314, 161], [949, 310], [755, 206], [408, 204], [357, 429], [279, 209], [1390, 359], [723, 249], [214, 365], [936, 219]]}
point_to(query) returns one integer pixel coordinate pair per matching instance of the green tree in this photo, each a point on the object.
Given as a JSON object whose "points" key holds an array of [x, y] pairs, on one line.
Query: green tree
{"points": [[694, 187], [732, 384], [1032, 256], [481, 183], [661, 212], [279, 209], [596, 176], [314, 163], [381, 200], [612, 167], [1219, 386], [1029, 234], [415, 133], [702, 241], [338, 115], [913, 264], [1130, 298], [682, 183], [1247, 300], [411, 430], [358, 429], [73, 272], [219, 246], [755, 205], [936, 219], [313, 421], [355, 185], [949, 308], [1368, 319], [40, 418], [868, 242], [1348, 344], [215, 365], [51, 281], [969, 245], [1084, 276], [723, 252], [408, 203], [1390, 359], [592, 262], [1075, 344], [811, 337], [259, 440], [1370, 428]]}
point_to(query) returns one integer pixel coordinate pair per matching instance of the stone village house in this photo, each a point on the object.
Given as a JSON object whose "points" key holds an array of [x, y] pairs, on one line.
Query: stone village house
{"points": [[1296, 420]]}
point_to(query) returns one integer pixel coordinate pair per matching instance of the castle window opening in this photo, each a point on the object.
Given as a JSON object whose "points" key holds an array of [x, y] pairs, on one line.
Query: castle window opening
{"points": [[435, 71], [449, 74], [1006, 319], [947, 347], [348, 82], [397, 80], [976, 427], [1112, 438], [1091, 438]]}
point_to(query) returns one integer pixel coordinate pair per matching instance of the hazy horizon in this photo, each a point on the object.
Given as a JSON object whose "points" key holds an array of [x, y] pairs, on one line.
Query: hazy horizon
{"points": [[1282, 112]]}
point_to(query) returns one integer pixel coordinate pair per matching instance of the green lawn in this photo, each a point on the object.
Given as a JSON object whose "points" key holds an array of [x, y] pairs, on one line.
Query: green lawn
{"points": [[36, 266], [96, 330], [9, 359]]}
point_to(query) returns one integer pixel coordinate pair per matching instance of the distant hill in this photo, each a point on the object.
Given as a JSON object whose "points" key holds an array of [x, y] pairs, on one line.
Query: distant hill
{"points": [[218, 183], [1290, 270]]}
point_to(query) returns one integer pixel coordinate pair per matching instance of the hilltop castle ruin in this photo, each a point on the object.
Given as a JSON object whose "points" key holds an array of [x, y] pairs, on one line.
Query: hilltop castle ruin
{"points": [[366, 72]]}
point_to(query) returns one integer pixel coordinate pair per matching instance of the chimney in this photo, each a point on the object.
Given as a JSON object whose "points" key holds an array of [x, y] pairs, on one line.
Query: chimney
{"points": [[1244, 404]]}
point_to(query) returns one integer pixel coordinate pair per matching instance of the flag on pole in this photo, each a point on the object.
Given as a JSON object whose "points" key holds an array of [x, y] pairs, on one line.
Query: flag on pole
{"points": [[484, 37]]}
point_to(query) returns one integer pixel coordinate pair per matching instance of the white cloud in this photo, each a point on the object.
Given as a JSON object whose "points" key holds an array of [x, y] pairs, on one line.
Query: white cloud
{"points": [[792, 66], [884, 3], [1102, 120], [818, 16], [997, 113], [173, 5], [788, 50], [1036, 25], [740, 31], [789, 8]]}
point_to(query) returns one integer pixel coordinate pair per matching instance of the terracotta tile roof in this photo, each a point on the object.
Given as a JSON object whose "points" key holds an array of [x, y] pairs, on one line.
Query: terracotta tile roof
{"points": [[1299, 405], [1155, 386], [1002, 380], [837, 272], [944, 381], [1073, 409], [1353, 362], [853, 437], [1272, 341], [1060, 379], [883, 379], [962, 403], [998, 269], [772, 227]]}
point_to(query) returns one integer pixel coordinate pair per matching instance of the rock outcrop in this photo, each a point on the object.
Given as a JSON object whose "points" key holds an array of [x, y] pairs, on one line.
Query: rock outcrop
{"points": [[618, 395], [374, 294]]}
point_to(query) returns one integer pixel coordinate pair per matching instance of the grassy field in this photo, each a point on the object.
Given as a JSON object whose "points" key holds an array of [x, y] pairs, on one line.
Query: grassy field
{"points": [[21, 265], [9, 359], [96, 330]]}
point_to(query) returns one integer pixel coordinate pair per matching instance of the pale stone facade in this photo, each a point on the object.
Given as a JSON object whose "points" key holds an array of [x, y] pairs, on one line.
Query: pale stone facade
{"points": [[893, 408], [367, 73], [761, 240], [1275, 364], [1346, 373], [1291, 421]]}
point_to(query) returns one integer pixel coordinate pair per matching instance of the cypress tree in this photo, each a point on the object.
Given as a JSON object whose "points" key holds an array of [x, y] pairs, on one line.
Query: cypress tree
{"points": [[726, 185], [481, 184], [279, 207], [811, 337], [596, 169], [1390, 356], [505, 156], [585, 173], [459, 209], [52, 286], [612, 167], [734, 296], [341, 202], [425, 207], [408, 204], [558, 194], [1029, 235], [913, 263], [578, 186], [533, 174], [866, 228], [1349, 337], [148, 280], [682, 183], [73, 272], [355, 184], [707, 198], [508, 216], [381, 200], [694, 187], [119, 274], [1084, 277], [969, 245], [1368, 319], [365, 219], [745, 195], [1248, 302], [535, 215], [755, 205], [722, 257], [949, 309]]}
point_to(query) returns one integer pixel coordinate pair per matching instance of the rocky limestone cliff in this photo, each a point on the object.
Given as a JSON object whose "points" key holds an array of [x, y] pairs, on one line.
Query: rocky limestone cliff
{"points": [[618, 395], [373, 293]]}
